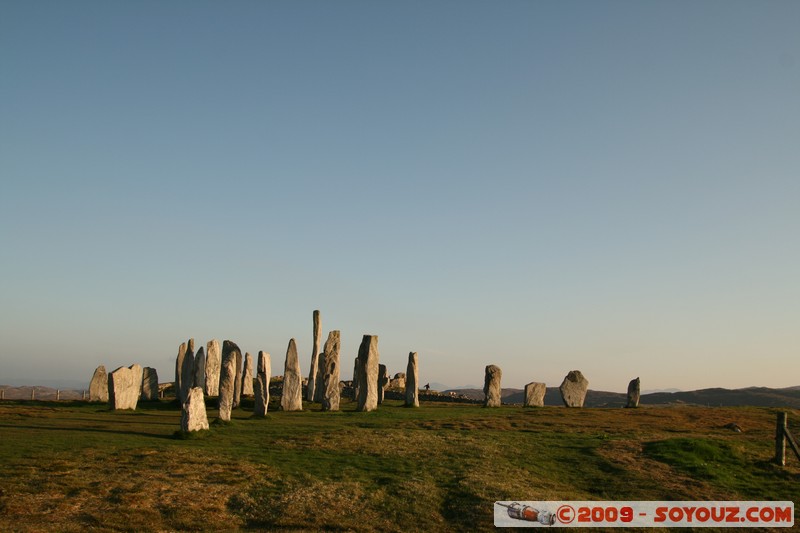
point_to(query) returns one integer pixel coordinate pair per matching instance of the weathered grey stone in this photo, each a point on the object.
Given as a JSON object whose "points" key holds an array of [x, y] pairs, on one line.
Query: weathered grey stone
{"points": [[573, 389], [633, 393], [292, 396], [247, 375], [124, 387], [319, 384], [261, 387], [199, 371], [383, 381], [213, 366], [491, 386], [149, 384], [237, 382], [534, 394], [398, 381], [311, 390], [193, 416], [411, 379], [178, 370], [227, 379], [368, 361], [98, 387], [331, 392]]}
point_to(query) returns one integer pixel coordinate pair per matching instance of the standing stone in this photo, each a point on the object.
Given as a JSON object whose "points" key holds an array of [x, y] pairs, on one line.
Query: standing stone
{"points": [[368, 374], [573, 389], [399, 381], [213, 366], [237, 382], [491, 386], [534, 394], [261, 387], [355, 379], [312, 374], [184, 370], [149, 384], [330, 374], [227, 378], [319, 387], [98, 387], [292, 397], [124, 387], [411, 379], [199, 371], [383, 381], [633, 393], [193, 416], [247, 375]]}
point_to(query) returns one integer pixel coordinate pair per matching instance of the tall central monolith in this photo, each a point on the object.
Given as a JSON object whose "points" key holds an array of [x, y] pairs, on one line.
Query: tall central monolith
{"points": [[313, 374], [292, 396], [368, 361]]}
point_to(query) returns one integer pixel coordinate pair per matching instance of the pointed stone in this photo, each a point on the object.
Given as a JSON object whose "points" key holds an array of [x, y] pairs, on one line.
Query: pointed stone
{"points": [[491, 386], [330, 376], [124, 387], [573, 389], [368, 361], [199, 371], [213, 367], [383, 381], [184, 370], [534, 394], [411, 379], [247, 375], [149, 384], [261, 386], [633, 393], [193, 416], [237, 383], [312, 374], [178, 370], [292, 396], [227, 379], [98, 387]]}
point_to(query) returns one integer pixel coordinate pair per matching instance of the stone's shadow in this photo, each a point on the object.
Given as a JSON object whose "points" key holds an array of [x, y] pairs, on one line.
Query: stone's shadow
{"points": [[89, 430]]}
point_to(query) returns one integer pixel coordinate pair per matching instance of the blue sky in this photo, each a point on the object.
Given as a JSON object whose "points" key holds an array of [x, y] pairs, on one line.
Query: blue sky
{"points": [[546, 186]]}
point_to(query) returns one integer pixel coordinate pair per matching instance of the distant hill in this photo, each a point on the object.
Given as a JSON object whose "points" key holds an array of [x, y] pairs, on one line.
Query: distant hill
{"points": [[752, 396]]}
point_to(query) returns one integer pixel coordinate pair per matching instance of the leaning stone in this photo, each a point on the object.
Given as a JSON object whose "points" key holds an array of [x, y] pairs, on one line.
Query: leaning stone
{"points": [[292, 396], [313, 377], [98, 387], [193, 417], [199, 371], [411, 379], [149, 384], [247, 375], [633, 393], [368, 374], [491, 386], [534, 394], [184, 370], [331, 393], [383, 381], [237, 382], [227, 378], [573, 389], [261, 387], [213, 366], [124, 387]]}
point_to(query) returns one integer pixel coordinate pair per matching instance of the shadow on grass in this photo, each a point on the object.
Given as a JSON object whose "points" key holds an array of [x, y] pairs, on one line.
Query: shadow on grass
{"points": [[88, 430]]}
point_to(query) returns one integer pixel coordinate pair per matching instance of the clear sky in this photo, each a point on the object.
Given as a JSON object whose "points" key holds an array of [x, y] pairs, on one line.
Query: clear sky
{"points": [[608, 186]]}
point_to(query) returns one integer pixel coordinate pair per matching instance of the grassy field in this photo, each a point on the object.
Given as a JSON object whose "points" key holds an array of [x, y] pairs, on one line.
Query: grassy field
{"points": [[77, 466]]}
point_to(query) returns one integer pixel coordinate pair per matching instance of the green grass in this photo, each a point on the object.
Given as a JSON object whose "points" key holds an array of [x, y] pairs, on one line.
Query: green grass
{"points": [[73, 466]]}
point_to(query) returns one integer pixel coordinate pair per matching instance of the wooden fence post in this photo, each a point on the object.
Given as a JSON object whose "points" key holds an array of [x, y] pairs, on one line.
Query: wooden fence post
{"points": [[780, 440]]}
